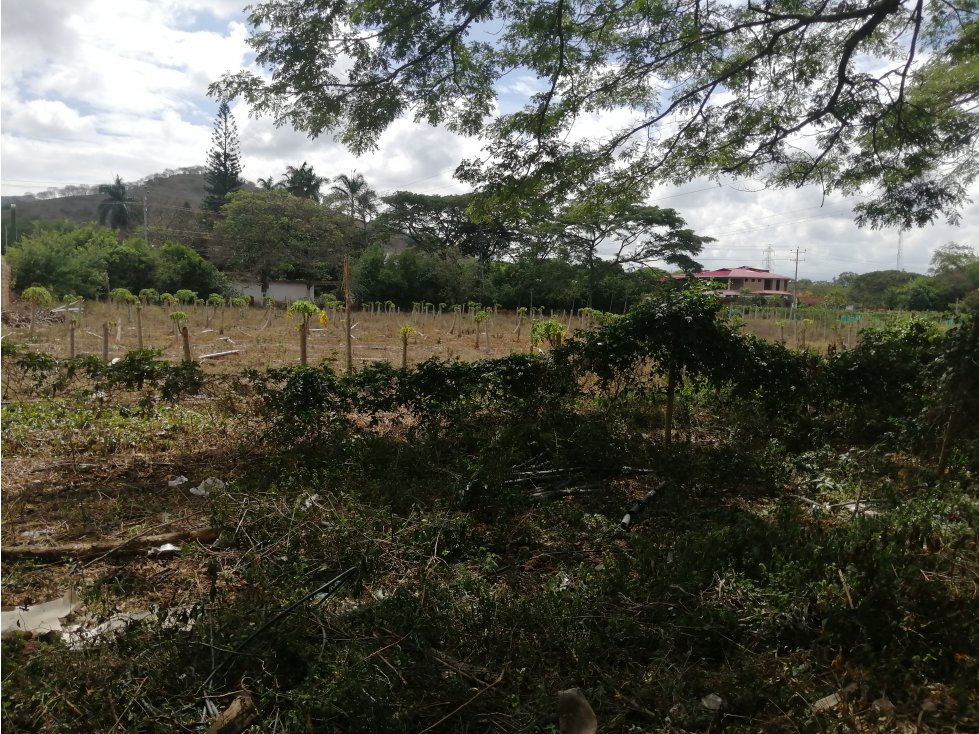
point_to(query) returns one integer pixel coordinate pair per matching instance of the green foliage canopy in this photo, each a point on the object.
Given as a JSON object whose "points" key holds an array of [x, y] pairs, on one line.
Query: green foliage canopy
{"points": [[90, 261], [437, 223], [881, 92], [223, 171], [271, 234]]}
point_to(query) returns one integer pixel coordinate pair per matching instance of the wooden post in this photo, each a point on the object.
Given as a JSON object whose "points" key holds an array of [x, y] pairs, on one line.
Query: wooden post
{"points": [[105, 341], [349, 303], [139, 325], [302, 344], [671, 381], [71, 337], [531, 320], [186, 336]]}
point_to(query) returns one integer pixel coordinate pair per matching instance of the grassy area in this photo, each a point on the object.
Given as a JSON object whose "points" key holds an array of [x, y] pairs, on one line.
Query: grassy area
{"points": [[792, 550]]}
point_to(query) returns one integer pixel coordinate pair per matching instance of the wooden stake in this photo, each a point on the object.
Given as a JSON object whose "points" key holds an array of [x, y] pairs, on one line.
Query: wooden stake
{"points": [[186, 337], [349, 303], [71, 338], [105, 341], [139, 325]]}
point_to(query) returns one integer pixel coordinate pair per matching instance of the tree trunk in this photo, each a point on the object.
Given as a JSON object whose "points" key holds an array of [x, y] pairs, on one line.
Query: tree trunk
{"points": [[303, 332], [105, 341]]}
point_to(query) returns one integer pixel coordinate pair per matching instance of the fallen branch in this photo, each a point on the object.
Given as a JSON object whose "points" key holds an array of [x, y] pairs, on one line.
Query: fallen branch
{"points": [[460, 707], [552, 494], [542, 475], [633, 512], [323, 589], [88, 550], [215, 355]]}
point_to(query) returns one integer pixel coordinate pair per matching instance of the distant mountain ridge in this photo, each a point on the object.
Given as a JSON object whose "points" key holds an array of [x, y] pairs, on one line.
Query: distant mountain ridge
{"points": [[165, 192]]}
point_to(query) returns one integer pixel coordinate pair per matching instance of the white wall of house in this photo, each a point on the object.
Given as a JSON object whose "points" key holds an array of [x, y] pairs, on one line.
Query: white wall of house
{"points": [[281, 291]]}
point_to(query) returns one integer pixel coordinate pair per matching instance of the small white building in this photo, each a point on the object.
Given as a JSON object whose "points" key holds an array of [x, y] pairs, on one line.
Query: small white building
{"points": [[280, 291]]}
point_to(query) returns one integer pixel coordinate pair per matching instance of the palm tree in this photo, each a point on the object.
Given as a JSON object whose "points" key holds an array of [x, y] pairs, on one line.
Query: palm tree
{"points": [[114, 210], [356, 195], [266, 184], [302, 182], [367, 203]]}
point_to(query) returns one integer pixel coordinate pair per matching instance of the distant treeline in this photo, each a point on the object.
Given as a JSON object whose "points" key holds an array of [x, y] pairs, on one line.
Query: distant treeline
{"points": [[90, 261]]}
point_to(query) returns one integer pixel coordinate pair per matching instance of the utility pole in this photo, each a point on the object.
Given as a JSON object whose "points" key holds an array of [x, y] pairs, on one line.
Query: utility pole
{"points": [[146, 237], [795, 280], [900, 250]]}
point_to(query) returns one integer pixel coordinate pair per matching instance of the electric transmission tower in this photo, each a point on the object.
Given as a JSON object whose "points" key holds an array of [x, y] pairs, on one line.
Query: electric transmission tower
{"points": [[769, 256]]}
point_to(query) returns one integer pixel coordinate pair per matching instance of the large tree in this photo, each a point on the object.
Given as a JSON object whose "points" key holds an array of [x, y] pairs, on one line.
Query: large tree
{"points": [[849, 95], [356, 196], [437, 223], [302, 182], [115, 210], [222, 175], [270, 234], [597, 229]]}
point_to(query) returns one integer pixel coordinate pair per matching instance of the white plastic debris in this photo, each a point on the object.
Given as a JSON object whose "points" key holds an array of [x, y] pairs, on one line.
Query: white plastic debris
{"points": [[178, 481], [310, 501], [205, 487], [827, 703], [78, 637], [164, 550], [40, 618], [85, 634], [34, 534], [115, 360], [884, 706], [712, 702]]}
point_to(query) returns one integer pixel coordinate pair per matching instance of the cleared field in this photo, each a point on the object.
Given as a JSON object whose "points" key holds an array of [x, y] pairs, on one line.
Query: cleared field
{"points": [[271, 338]]}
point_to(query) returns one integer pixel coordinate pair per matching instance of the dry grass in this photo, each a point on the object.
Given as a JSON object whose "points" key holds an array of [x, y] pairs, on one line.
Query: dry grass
{"points": [[274, 342], [265, 341]]}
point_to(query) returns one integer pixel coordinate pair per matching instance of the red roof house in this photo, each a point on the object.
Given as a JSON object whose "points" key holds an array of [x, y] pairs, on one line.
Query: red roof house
{"points": [[736, 281]]}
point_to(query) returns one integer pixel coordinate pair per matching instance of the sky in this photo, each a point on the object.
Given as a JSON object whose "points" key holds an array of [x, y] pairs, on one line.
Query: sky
{"points": [[92, 89]]}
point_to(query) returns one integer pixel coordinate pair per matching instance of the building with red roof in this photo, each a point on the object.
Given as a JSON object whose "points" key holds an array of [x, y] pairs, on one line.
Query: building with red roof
{"points": [[738, 281]]}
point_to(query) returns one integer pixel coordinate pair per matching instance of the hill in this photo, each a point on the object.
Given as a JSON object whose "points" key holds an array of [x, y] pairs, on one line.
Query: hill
{"points": [[165, 192]]}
